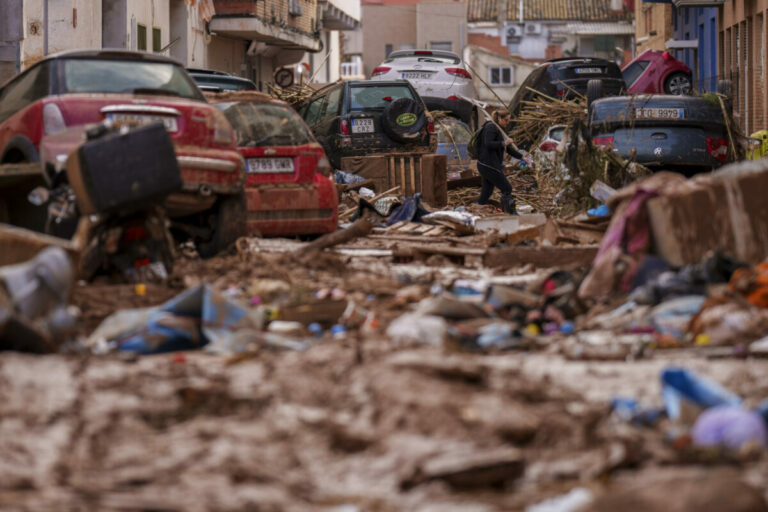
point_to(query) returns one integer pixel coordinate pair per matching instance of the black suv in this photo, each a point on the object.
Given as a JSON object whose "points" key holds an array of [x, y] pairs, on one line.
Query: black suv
{"points": [[362, 117], [562, 78]]}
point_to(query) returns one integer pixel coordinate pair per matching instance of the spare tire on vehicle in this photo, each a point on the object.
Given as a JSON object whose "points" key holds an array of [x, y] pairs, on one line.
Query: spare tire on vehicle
{"points": [[404, 120]]}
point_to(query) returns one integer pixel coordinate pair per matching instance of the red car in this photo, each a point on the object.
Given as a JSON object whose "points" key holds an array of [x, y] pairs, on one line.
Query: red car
{"points": [[84, 87], [655, 72], [289, 190]]}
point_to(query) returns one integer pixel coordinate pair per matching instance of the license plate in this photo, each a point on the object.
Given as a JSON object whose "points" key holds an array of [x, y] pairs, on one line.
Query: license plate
{"points": [[261, 165], [362, 126], [140, 119], [659, 113], [416, 75], [588, 71]]}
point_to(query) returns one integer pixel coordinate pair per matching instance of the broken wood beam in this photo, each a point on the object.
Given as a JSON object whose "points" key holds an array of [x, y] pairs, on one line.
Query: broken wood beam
{"points": [[543, 257]]}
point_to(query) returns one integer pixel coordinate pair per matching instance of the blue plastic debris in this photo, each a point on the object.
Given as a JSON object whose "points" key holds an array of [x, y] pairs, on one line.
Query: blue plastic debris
{"points": [[600, 211], [192, 320], [679, 384]]}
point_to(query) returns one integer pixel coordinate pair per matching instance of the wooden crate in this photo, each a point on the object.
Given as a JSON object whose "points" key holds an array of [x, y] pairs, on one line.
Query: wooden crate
{"points": [[413, 173]]}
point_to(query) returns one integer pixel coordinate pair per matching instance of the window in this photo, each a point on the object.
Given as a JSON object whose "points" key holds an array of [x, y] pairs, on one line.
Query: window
{"points": [[264, 124], [157, 42], [501, 75], [334, 101], [648, 20], [387, 50], [114, 76], [451, 131], [605, 44], [368, 97], [446, 46], [633, 72], [28, 88], [141, 37], [313, 111]]}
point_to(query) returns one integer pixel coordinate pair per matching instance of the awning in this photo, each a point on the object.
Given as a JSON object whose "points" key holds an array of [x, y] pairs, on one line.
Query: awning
{"points": [[335, 18], [609, 28], [256, 29]]}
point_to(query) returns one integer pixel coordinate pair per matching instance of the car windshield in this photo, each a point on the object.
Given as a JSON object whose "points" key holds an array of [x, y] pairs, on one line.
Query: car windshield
{"points": [[265, 124], [448, 129], [365, 97], [128, 76]]}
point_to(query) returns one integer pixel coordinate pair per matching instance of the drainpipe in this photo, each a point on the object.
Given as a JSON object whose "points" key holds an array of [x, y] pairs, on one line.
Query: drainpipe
{"points": [[45, 26], [520, 10]]}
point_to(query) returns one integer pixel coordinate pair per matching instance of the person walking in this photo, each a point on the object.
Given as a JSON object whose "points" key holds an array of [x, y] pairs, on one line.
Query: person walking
{"points": [[490, 160]]}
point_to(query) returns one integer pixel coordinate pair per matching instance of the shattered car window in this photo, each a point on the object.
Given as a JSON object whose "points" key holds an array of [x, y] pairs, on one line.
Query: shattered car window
{"points": [[127, 76], [265, 124], [364, 97]]}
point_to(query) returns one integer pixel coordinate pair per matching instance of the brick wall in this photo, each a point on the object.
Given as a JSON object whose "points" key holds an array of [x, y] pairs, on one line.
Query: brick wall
{"points": [[743, 35]]}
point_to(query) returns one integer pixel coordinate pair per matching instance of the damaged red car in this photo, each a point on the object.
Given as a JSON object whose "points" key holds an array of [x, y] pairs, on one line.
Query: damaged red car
{"points": [[83, 87], [289, 188]]}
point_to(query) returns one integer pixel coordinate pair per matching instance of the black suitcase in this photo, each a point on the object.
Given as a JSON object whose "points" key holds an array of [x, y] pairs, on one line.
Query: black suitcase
{"points": [[124, 173]]}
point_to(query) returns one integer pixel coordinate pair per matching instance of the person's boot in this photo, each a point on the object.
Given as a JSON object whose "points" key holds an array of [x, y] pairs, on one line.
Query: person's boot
{"points": [[508, 205]]}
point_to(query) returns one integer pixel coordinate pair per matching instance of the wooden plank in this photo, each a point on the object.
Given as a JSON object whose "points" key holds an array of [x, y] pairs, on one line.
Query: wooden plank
{"points": [[544, 257], [403, 183], [413, 176]]}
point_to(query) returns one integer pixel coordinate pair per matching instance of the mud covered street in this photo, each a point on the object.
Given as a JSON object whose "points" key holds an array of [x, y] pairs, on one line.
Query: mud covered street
{"points": [[359, 423]]}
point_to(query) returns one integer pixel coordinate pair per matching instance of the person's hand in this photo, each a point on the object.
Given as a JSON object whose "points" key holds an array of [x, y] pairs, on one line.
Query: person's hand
{"points": [[508, 142]]}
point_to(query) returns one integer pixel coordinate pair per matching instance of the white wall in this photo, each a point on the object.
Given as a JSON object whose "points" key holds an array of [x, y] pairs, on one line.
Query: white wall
{"points": [[152, 14]]}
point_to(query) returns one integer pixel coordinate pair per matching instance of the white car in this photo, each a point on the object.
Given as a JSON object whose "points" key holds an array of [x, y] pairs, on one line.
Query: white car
{"points": [[432, 73]]}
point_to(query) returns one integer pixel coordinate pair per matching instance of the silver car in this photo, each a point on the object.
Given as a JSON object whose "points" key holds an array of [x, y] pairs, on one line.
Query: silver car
{"points": [[432, 73]]}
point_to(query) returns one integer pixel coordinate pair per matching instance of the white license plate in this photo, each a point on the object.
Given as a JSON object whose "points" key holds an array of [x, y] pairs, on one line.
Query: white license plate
{"points": [[362, 126], [140, 119], [588, 71], [659, 113], [415, 75], [261, 165]]}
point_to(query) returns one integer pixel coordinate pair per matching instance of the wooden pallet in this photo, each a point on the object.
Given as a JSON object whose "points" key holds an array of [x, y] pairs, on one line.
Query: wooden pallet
{"points": [[416, 228]]}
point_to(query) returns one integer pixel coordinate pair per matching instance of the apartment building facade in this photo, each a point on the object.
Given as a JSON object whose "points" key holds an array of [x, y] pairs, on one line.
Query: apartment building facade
{"points": [[742, 48], [248, 38]]}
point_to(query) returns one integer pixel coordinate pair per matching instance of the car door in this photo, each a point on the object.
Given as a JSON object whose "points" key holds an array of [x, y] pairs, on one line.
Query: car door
{"points": [[313, 113], [328, 121]]}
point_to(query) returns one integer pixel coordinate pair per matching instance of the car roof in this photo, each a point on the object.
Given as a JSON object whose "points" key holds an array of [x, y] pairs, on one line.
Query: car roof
{"points": [[202, 71], [421, 53], [112, 53]]}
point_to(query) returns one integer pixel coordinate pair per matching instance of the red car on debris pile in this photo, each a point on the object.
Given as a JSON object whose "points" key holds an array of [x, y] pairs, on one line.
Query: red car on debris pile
{"points": [[84, 87], [289, 189], [655, 72]]}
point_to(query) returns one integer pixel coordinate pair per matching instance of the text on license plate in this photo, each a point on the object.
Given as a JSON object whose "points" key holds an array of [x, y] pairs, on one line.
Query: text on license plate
{"points": [[588, 71], [259, 165], [659, 113], [415, 75], [362, 126], [140, 119]]}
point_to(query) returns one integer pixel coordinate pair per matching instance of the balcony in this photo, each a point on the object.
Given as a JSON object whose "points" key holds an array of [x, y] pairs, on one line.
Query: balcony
{"points": [[283, 24]]}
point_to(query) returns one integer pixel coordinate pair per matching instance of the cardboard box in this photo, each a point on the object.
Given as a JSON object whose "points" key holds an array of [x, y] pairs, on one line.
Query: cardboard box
{"points": [[726, 210]]}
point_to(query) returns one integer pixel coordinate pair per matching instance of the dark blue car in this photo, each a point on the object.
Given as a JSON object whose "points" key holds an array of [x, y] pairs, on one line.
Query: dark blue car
{"points": [[452, 140], [687, 134]]}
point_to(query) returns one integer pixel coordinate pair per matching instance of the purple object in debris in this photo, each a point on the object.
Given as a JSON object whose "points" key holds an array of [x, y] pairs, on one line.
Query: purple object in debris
{"points": [[729, 425]]}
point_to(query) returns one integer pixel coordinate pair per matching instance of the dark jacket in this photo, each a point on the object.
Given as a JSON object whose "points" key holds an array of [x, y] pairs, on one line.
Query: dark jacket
{"points": [[490, 151]]}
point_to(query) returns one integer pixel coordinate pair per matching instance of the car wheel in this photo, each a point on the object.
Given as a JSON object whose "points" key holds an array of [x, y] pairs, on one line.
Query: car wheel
{"points": [[404, 120], [228, 223], [594, 91], [678, 84]]}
